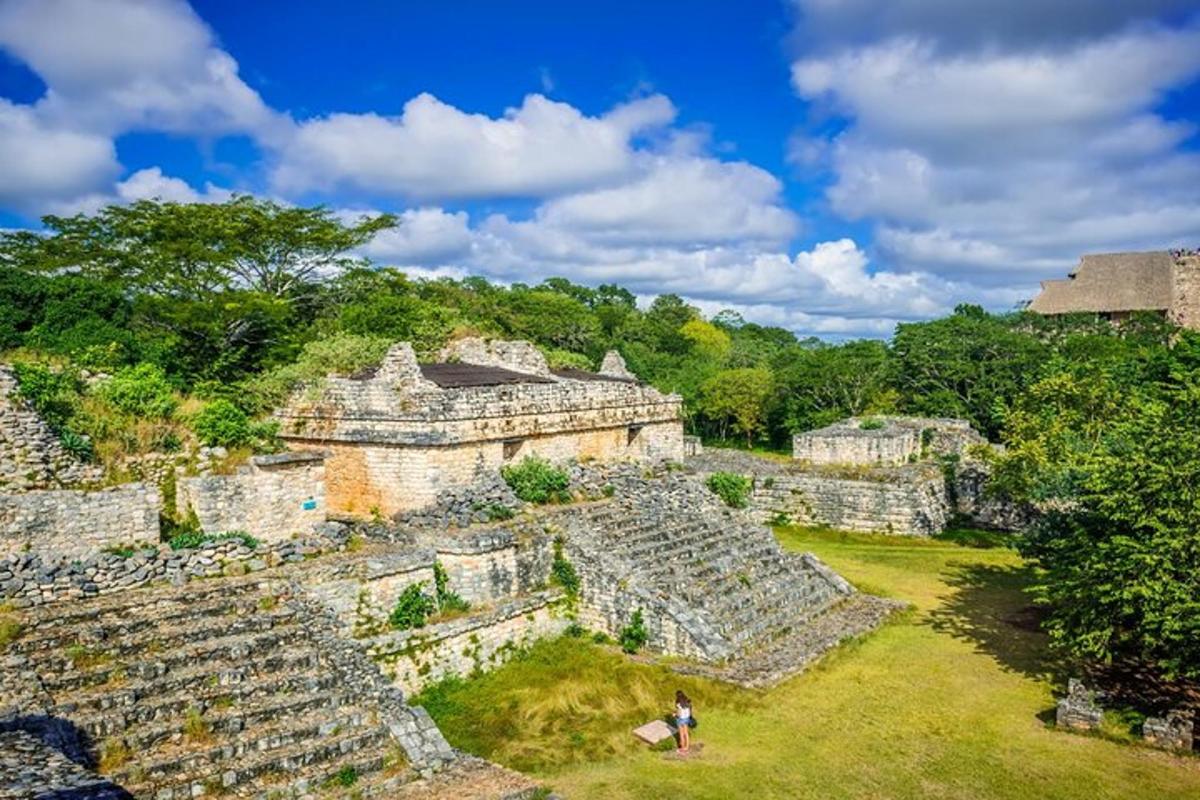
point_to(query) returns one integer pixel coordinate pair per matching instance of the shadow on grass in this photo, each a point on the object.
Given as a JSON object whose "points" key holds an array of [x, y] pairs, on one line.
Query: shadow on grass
{"points": [[989, 609]]}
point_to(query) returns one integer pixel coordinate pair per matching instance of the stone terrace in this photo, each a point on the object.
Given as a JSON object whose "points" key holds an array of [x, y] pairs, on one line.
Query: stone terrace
{"points": [[237, 686]]}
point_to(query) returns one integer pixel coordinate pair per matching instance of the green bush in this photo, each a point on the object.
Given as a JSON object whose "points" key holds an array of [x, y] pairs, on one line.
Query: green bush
{"points": [[734, 489], [52, 394], [412, 609], [141, 390], [536, 480], [447, 600], [563, 571], [634, 635], [871, 424], [223, 424], [190, 539]]}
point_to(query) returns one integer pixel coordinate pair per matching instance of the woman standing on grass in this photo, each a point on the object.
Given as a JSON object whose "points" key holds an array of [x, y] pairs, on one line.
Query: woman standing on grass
{"points": [[683, 720]]}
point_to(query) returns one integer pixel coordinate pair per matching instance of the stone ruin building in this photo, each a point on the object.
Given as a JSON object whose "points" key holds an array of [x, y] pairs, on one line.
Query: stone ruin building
{"points": [[1113, 285], [398, 436], [242, 667], [910, 476]]}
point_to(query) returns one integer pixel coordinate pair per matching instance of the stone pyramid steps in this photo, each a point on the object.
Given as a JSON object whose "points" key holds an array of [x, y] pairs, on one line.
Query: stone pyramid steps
{"points": [[243, 693], [742, 586], [201, 683], [151, 602], [118, 623]]}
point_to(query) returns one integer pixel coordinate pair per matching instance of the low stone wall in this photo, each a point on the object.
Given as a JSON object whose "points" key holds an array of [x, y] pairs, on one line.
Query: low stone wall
{"points": [[897, 440], [416, 658], [30, 579], [272, 497], [913, 503], [76, 524]]}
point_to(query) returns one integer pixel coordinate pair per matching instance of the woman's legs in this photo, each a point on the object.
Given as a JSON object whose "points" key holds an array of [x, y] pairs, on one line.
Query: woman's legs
{"points": [[685, 738]]}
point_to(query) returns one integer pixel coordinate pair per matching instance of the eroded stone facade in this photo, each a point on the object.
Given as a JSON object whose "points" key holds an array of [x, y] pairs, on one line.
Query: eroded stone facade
{"points": [[883, 441], [403, 435], [272, 497], [74, 524]]}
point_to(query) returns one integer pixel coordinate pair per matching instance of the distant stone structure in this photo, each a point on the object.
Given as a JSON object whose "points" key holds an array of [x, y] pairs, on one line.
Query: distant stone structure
{"points": [[1080, 710], [272, 497], [1173, 731], [1114, 285], [883, 441], [403, 434]]}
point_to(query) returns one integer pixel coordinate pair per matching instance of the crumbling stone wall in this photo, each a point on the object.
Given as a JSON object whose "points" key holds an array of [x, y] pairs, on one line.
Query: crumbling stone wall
{"points": [[913, 502], [415, 658], [900, 440], [31, 455], [272, 497], [76, 524]]}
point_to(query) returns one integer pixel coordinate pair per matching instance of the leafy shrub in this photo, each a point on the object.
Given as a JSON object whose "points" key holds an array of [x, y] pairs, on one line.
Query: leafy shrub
{"points": [[412, 609], [871, 424], [732, 488], [77, 445], [634, 635], [563, 571], [498, 511], [141, 390], [447, 600], [190, 539], [221, 423], [340, 354], [536, 480], [52, 394]]}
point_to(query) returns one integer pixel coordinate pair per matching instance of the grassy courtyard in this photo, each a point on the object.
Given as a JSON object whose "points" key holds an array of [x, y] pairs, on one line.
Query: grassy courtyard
{"points": [[951, 700]]}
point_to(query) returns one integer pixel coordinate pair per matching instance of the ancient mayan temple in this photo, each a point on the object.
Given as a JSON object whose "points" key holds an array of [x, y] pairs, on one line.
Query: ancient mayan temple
{"points": [[400, 435], [1113, 285]]}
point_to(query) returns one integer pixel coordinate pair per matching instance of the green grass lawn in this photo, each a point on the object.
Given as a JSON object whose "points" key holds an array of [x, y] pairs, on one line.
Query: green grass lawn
{"points": [[950, 700]]}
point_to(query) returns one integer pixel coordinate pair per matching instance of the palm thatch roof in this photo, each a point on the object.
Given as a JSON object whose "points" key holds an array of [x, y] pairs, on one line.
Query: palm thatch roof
{"points": [[1111, 282]]}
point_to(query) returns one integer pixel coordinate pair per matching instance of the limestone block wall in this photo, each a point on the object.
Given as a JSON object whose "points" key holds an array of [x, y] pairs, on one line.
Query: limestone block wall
{"points": [[416, 658], [900, 441], [272, 498], [31, 455], [888, 446], [76, 524], [913, 504], [364, 479], [480, 567]]}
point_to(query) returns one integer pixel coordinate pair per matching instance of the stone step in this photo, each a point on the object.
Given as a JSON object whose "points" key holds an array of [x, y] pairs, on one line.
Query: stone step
{"points": [[167, 712], [232, 721], [147, 600], [154, 640], [130, 622], [229, 650], [281, 666], [379, 770], [285, 746]]}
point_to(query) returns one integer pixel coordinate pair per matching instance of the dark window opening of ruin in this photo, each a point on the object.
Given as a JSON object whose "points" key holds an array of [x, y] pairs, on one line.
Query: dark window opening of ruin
{"points": [[511, 448], [632, 435]]}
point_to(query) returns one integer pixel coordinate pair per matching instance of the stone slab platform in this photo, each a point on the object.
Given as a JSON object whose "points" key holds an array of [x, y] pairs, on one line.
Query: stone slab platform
{"points": [[793, 653], [654, 732]]}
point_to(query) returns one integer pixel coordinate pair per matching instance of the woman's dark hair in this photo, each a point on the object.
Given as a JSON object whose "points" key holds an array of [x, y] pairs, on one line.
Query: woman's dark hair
{"points": [[682, 699]]}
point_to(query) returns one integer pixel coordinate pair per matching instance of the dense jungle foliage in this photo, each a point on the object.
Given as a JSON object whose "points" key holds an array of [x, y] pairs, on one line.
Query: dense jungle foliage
{"points": [[204, 317]]}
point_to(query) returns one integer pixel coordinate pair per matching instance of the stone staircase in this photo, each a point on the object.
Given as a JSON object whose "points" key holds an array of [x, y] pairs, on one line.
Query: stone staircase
{"points": [[719, 586], [238, 687]]}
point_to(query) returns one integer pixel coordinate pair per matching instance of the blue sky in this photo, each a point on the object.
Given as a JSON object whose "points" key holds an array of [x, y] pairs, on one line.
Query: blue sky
{"points": [[833, 166]]}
